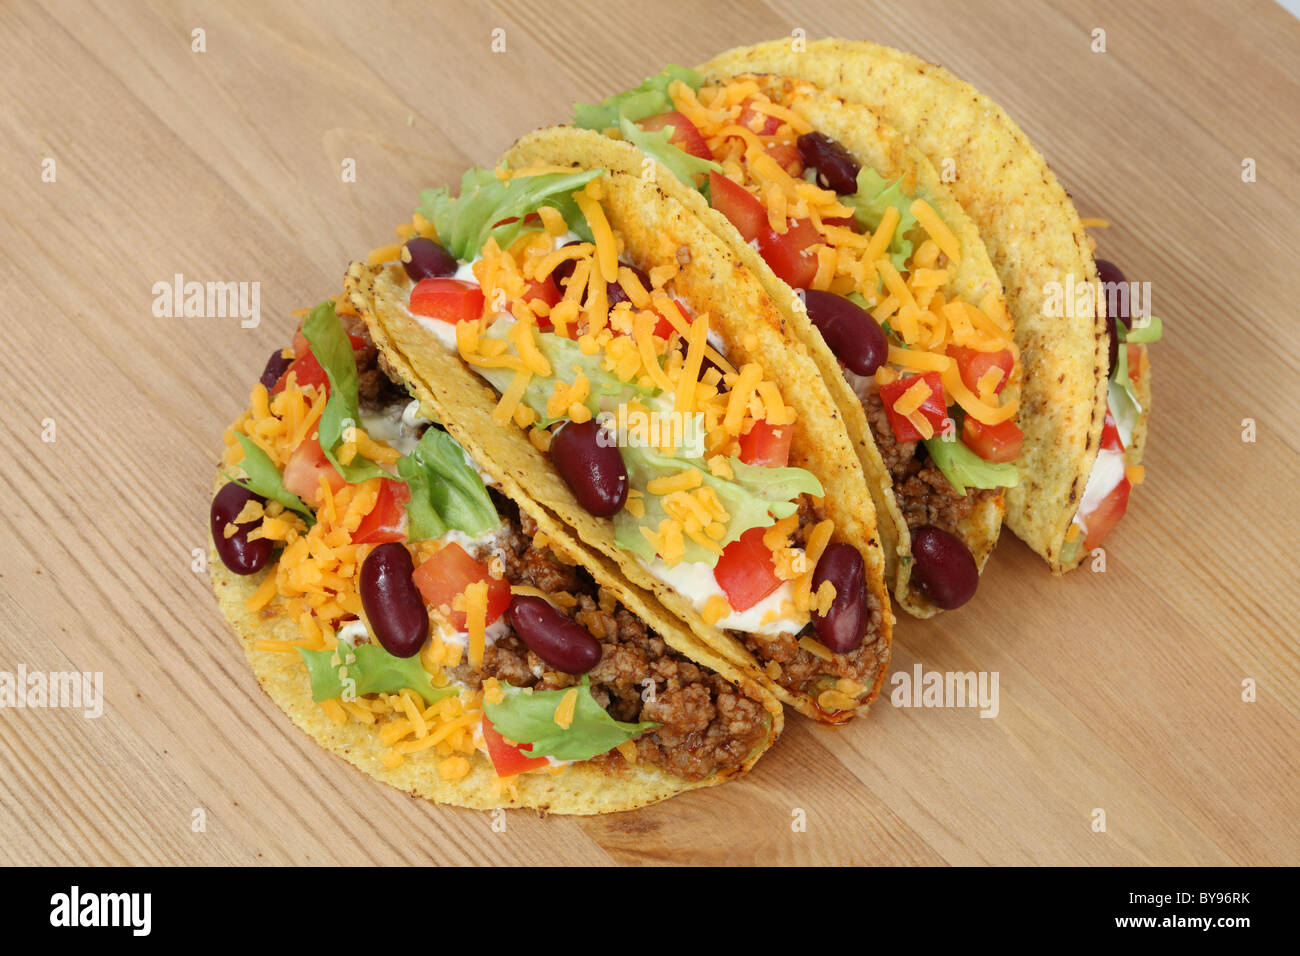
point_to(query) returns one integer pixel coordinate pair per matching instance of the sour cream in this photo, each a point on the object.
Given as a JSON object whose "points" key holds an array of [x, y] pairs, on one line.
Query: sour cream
{"points": [[399, 427], [1108, 470], [696, 582]]}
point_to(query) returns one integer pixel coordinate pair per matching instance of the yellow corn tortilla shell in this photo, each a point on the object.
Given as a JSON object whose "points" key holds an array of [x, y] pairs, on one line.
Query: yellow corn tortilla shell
{"points": [[874, 144], [1034, 237], [653, 227], [581, 788]]}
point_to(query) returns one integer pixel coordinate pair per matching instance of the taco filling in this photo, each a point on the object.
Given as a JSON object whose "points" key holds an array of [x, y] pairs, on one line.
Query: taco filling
{"points": [[1113, 475], [429, 607], [625, 387], [870, 257]]}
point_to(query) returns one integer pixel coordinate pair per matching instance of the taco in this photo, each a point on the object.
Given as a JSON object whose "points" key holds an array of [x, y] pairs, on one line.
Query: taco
{"points": [[583, 333], [1086, 394], [435, 626], [881, 275]]}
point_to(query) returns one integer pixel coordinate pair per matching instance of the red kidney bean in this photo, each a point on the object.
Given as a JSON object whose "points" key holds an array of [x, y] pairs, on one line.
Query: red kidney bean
{"points": [[592, 468], [391, 600], [844, 625], [836, 169], [1109, 273], [557, 640], [275, 367], [849, 330], [614, 292], [237, 552], [943, 568], [422, 258], [565, 269]]}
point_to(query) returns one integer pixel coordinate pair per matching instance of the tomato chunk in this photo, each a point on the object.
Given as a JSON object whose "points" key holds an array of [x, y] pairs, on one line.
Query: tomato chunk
{"points": [[788, 252], [742, 209], [1102, 519], [746, 572], [387, 519], [767, 445], [1110, 440], [974, 365], [686, 136], [306, 466], [996, 443], [508, 759], [764, 124], [444, 577], [451, 300], [787, 157], [934, 409]]}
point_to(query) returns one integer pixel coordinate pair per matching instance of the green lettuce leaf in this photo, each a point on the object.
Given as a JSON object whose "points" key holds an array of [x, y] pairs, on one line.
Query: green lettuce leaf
{"points": [[755, 498], [527, 716], [374, 671], [876, 194], [655, 144], [565, 356], [446, 491], [466, 222], [965, 469], [265, 479], [333, 350], [1150, 332], [649, 99]]}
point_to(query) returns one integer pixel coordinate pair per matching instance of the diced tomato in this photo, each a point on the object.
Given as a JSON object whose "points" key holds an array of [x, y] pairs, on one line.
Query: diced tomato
{"points": [[387, 519], [306, 370], [452, 300], [787, 157], [767, 445], [686, 136], [1106, 515], [974, 365], [741, 208], [847, 222], [444, 577], [934, 409], [303, 472], [746, 571], [997, 443], [750, 118], [1137, 356], [548, 292], [787, 252], [1110, 440], [508, 759]]}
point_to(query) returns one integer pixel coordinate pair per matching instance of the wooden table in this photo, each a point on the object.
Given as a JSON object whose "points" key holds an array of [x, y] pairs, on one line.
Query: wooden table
{"points": [[1120, 691]]}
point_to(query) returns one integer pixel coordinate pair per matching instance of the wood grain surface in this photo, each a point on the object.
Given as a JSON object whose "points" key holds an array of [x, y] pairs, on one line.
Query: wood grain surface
{"points": [[1120, 691]]}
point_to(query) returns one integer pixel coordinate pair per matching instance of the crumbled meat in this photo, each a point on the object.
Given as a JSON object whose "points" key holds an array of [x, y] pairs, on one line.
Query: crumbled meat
{"points": [[707, 725], [924, 494], [376, 381]]}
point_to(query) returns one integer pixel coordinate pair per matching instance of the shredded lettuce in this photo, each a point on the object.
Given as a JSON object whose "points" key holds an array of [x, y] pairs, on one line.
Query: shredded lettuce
{"points": [[649, 99], [567, 360], [755, 498], [527, 716], [965, 469], [333, 350], [370, 670], [265, 479], [876, 194], [1150, 331], [466, 222], [446, 491], [655, 144]]}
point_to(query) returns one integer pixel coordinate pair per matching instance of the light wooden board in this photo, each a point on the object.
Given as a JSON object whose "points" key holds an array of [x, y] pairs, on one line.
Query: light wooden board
{"points": [[1119, 690]]}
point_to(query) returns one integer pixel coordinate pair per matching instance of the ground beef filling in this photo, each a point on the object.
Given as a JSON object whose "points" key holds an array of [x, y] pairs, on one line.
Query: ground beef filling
{"points": [[707, 725], [798, 669], [924, 494]]}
